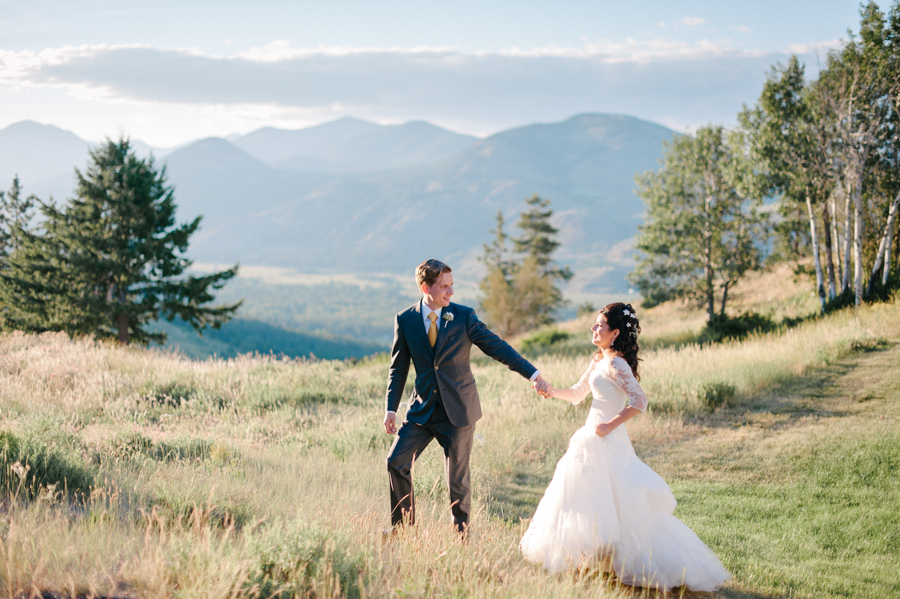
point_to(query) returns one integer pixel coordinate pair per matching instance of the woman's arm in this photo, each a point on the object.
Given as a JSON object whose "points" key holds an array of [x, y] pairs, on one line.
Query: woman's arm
{"points": [[576, 392], [604, 428]]}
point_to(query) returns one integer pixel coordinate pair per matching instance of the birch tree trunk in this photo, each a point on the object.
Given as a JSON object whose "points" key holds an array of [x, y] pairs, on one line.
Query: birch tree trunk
{"points": [[884, 246], [857, 241], [814, 242], [836, 238], [889, 246], [845, 282], [829, 258]]}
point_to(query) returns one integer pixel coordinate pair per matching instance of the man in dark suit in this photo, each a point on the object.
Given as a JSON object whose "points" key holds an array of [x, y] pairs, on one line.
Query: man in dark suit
{"points": [[437, 336]]}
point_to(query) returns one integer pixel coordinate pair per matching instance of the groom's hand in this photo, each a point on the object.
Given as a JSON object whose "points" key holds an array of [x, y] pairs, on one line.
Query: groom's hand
{"points": [[390, 423], [542, 386]]}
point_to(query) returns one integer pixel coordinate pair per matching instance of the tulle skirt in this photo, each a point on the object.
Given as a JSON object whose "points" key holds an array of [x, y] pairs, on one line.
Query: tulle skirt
{"points": [[603, 502]]}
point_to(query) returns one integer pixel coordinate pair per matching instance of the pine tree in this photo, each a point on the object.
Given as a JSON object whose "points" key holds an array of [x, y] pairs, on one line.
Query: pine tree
{"points": [[521, 291], [15, 216], [111, 261], [497, 307], [538, 277]]}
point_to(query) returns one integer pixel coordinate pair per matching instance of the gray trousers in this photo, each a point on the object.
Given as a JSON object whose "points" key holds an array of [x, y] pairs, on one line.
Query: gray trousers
{"points": [[412, 439]]}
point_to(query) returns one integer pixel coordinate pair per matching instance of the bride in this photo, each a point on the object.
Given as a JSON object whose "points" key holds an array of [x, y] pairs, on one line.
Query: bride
{"points": [[603, 502]]}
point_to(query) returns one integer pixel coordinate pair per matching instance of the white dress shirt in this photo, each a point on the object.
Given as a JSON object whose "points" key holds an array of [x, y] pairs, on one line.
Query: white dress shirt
{"points": [[426, 311]]}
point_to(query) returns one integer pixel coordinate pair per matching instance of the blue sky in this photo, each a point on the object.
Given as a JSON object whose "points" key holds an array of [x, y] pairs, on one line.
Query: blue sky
{"points": [[168, 72]]}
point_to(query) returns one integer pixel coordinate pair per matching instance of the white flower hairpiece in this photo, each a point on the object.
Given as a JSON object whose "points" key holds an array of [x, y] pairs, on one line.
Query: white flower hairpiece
{"points": [[627, 313], [632, 329]]}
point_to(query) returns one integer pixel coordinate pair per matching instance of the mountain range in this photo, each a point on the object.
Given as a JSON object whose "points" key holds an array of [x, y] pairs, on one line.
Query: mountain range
{"points": [[353, 196]]}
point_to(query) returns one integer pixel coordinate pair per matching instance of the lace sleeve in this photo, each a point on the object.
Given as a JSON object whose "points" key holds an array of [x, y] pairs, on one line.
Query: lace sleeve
{"points": [[577, 392], [626, 381]]}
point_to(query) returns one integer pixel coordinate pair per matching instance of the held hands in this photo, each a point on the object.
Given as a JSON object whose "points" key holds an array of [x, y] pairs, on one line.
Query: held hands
{"points": [[542, 387]]}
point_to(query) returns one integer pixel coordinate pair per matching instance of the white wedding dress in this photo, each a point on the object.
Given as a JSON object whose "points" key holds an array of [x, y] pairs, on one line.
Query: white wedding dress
{"points": [[603, 502]]}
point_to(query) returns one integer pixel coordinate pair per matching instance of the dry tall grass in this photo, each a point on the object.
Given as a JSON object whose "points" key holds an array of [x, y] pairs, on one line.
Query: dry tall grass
{"points": [[151, 475]]}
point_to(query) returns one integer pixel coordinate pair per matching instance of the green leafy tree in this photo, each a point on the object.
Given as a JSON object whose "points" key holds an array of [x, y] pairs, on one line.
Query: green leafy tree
{"points": [[111, 261], [702, 230], [789, 131], [521, 288], [861, 86]]}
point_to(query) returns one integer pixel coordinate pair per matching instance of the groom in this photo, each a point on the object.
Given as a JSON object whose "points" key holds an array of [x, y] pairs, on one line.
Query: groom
{"points": [[437, 336]]}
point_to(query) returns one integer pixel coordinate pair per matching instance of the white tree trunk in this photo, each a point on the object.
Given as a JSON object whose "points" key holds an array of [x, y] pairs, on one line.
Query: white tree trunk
{"points": [[829, 250], [884, 247], [836, 236], [857, 241], [845, 281], [886, 272], [814, 240]]}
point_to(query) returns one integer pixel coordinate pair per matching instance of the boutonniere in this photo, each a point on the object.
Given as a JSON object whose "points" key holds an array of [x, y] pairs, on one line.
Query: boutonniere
{"points": [[447, 317]]}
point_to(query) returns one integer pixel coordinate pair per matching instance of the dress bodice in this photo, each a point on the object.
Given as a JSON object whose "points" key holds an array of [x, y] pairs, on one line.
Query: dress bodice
{"points": [[612, 386]]}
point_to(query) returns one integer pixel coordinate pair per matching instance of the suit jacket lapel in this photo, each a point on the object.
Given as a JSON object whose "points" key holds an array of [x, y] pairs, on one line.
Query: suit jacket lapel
{"points": [[443, 325], [418, 328]]}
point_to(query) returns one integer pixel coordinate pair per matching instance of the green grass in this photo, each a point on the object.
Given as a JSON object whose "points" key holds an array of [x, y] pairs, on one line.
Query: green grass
{"points": [[816, 514], [258, 477]]}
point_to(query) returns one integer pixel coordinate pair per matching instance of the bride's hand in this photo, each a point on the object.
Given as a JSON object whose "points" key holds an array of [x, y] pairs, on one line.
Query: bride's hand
{"points": [[542, 387], [604, 428]]}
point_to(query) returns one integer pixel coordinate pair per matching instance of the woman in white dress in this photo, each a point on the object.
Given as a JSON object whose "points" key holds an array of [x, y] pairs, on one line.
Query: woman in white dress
{"points": [[603, 502]]}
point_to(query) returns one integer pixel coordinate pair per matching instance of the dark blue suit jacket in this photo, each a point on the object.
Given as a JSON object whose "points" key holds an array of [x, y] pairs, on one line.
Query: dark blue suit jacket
{"points": [[444, 370]]}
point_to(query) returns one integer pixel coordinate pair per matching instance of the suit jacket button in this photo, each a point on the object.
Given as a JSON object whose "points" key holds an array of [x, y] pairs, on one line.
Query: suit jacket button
{"points": [[437, 367]]}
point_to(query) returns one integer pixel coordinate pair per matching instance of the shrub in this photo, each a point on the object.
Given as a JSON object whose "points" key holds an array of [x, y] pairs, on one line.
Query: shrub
{"points": [[722, 327], [28, 464], [543, 340], [715, 394]]}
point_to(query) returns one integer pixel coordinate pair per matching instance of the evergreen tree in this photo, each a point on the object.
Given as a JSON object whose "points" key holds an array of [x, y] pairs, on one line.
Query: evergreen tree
{"points": [[497, 305], [15, 216], [702, 230], [111, 261], [538, 276], [521, 292]]}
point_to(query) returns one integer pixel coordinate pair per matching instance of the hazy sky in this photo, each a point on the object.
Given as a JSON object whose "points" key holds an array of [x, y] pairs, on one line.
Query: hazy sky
{"points": [[167, 72]]}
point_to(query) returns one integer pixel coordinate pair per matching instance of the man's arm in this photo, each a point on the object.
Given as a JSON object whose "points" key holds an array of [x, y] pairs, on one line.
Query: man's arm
{"points": [[396, 377], [498, 349]]}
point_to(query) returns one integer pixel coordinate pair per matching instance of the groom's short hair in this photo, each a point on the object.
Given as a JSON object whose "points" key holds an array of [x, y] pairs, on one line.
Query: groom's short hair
{"points": [[430, 271]]}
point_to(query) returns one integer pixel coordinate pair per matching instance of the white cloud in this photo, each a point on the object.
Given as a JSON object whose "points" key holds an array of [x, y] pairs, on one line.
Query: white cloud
{"points": [[187, 93], [816, 49], [742, 28], [692, 21]]}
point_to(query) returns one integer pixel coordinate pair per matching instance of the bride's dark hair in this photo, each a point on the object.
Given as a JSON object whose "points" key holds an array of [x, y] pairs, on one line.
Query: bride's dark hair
{"points": [[622, 318]]}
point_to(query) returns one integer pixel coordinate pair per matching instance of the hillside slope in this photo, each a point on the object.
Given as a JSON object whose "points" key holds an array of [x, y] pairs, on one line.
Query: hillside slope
{"points": [[354, 197], [128, 471]]}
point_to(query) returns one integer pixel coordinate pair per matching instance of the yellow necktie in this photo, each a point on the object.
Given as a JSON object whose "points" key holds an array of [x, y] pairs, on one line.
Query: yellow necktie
{"points": [[432, 330]]}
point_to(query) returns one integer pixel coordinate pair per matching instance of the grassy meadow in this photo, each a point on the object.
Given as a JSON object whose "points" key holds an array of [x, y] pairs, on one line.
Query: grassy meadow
{"points": [[140, 473]]}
